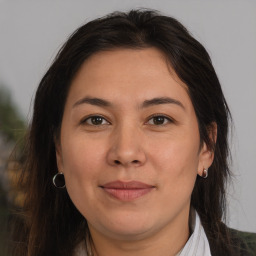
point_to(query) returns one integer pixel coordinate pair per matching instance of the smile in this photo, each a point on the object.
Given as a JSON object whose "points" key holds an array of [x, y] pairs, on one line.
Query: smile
{"points": [[127, 191]]}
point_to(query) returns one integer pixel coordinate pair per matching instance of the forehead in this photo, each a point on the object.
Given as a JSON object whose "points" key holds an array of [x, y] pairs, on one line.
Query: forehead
{"points": [[128, 75]]}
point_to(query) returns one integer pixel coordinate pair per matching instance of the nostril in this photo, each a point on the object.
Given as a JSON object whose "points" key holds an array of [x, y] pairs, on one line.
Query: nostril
{"points": [[117, 162]]}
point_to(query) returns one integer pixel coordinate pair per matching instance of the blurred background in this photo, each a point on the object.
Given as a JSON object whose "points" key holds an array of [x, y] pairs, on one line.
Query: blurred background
{"points": [[12, 131], [31, 32]]}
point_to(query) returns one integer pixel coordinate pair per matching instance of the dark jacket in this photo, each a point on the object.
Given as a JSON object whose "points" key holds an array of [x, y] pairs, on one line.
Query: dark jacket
{"points": [[245, 241], [242, 244]]}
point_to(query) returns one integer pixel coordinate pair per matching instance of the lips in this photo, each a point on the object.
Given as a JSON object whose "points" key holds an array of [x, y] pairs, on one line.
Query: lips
{"points": [[127, 191]]}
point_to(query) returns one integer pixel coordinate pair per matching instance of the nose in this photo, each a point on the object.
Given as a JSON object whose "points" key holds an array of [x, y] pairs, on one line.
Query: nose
{"points": [[126, 148]]}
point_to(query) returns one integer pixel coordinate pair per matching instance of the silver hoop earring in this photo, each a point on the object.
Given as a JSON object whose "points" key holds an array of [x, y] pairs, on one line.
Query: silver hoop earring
{"points": [[205, 173], [59, 180]]}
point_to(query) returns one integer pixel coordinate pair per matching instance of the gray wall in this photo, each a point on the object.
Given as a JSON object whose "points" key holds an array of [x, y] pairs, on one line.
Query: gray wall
{"points": [[31, 32]]}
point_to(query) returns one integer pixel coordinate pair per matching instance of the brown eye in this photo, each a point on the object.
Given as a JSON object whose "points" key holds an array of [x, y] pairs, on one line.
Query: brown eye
{"points": [[159, 120], [96, 120]]}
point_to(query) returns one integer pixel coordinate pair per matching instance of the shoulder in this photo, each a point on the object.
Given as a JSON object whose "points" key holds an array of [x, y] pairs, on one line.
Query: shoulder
{"points": [[231, 242], [245, 242]]}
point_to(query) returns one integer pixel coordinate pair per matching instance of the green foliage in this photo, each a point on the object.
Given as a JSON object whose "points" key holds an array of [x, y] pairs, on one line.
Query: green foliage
{"points": [[12, 131], [12, 126]]}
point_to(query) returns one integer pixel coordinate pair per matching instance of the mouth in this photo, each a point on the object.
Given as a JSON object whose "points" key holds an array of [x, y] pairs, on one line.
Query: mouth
{"points": [[127, 191]]}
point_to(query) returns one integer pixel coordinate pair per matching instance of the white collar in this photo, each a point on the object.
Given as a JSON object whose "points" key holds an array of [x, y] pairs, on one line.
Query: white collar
{"points": [[198, 243]]}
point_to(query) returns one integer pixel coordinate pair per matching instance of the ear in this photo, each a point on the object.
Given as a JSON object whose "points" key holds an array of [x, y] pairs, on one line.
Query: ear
{"points": [[206, 154], [58, 153]]}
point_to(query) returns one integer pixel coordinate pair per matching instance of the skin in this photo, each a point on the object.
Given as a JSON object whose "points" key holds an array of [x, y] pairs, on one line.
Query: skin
{"points": [[128, 144]]}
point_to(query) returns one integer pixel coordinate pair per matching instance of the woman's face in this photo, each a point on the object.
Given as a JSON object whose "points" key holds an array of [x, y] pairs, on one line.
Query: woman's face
{"points": [[129, 145]]}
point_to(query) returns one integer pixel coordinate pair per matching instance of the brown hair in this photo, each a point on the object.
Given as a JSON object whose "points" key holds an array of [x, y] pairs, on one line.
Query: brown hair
{"points": [[51, 224]]}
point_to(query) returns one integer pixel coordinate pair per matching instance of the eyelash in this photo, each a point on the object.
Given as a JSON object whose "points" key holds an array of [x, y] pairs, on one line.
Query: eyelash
{"points": [[169, 120], [84, 121]]}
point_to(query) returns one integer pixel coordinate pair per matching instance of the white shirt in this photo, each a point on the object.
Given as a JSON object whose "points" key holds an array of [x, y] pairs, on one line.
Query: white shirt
{"points": [[197, 244]]}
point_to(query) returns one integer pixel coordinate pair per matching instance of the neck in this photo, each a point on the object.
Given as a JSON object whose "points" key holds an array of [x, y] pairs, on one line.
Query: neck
{"points": [[168, 240]]}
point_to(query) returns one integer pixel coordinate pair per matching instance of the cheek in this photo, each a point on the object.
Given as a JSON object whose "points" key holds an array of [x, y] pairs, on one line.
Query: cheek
{"points": [[82, 163], [177, 180], [80, 152], [176, 162], [82, 160], [175, 155]]}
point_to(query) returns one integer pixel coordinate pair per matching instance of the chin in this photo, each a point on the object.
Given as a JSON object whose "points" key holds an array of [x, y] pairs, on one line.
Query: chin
{"points": [[130, 234], [130, 228]]}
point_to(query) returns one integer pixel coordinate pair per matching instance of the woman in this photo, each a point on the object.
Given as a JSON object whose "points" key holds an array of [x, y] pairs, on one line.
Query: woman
{"points": [[127, 150]]}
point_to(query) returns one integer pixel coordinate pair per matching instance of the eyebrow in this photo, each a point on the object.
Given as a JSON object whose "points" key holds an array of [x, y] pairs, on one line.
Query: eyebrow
{"points": [[160, 101], [147, 103], [93, 101]]}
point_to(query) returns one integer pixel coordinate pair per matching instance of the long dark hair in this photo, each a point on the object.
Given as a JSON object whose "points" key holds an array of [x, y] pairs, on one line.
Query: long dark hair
{"points": [[51, 225]]}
